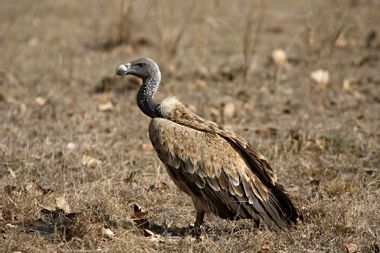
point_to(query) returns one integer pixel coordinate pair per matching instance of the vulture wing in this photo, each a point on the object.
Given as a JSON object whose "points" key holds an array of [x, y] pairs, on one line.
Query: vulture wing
{"points": [[207, 161], [256, 161]]}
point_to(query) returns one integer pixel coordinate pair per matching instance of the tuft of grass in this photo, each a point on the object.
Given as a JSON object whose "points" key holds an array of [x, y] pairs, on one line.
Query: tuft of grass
{"points": [[168, 46], [253, 27], [338, 142], [122, 32]]}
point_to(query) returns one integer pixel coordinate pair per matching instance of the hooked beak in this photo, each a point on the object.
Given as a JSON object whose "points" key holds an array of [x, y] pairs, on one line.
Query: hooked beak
{"points": [[123, 69]]}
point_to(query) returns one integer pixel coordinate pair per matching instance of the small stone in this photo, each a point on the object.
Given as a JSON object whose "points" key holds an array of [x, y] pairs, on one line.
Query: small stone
{"points": [[229, 111], [346, 84], [10, 226], [71, 145], [279, 57], [148, 232], [33, 42], [320, 76], [40, 100], [105, 107], [147, 146]]}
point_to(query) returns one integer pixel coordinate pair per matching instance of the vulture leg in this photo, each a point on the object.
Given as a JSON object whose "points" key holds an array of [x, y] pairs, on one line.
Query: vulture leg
{"points": [[199, 219], [196, 231]]}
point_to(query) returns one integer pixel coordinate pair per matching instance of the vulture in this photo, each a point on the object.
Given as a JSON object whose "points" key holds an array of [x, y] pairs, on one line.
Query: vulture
{"points": [[218, 169]]}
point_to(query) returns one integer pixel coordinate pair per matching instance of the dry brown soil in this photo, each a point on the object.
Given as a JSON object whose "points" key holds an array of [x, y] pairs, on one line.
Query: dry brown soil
{"points": [[76, 164]]}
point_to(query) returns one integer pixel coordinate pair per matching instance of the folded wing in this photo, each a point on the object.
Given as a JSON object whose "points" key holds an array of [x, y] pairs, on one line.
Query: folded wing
{"points": [[219, 166]]}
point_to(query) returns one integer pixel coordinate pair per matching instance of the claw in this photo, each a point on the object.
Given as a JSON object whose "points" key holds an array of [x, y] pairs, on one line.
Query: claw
{"points": [[196, 231]]}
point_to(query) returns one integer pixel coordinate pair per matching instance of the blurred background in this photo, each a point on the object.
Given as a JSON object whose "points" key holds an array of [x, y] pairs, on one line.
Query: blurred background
{"points": [[299, 79]]}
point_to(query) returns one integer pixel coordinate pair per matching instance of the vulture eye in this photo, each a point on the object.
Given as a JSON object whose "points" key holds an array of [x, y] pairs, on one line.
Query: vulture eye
{"points": [[140, 65]]}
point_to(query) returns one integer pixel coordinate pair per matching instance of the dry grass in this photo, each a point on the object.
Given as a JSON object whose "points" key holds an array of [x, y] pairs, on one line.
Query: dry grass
{"points": [[75, 162]]}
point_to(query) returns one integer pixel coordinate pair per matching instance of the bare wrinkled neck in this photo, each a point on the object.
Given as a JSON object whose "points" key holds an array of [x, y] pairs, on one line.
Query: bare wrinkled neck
{"points": [[146, 93]]}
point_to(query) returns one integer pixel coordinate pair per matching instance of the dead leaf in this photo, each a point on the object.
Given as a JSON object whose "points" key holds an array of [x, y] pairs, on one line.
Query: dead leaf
{"points": [[159, 185], [228, 111], [10, 226], [108, 233], [61, 203], [138, 213], [139, 217], [105, 107], [90, 161], [12, 173], [351, 247], [321, 143], [32, 188]]}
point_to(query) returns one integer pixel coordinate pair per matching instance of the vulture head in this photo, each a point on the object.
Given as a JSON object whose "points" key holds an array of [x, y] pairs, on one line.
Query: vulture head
{"points": [[142, 68]]}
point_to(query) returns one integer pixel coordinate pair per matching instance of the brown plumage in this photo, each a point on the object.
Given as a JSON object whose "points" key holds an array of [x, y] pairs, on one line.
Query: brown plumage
{"points": [[218, 169]]}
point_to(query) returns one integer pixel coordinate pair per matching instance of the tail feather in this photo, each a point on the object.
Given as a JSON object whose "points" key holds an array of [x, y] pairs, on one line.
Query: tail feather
{"points": [[288, 211]]}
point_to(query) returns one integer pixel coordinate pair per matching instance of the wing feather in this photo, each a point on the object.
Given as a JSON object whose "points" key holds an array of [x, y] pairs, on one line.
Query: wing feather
{"points": [[223, 181], [213, 183]]}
